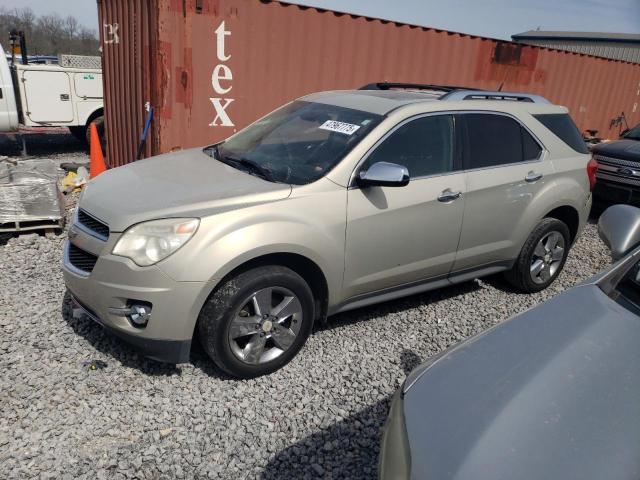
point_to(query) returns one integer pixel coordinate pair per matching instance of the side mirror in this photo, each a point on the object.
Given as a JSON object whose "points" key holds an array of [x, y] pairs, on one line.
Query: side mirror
{"points": [[384, 174], [619, 229]]}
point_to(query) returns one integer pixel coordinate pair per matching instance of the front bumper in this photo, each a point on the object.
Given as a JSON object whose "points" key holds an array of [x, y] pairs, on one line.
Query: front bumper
{"points": [[116, 281], [614, 191], [169, 351]]}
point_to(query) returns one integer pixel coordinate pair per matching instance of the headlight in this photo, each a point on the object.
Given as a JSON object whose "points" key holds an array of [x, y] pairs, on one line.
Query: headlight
{"points": [[149, 242]]}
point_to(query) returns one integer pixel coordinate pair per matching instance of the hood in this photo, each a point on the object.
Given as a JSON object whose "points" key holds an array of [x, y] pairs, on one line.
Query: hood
{"points": [[551, 393], [623, 149], [181, 184]]}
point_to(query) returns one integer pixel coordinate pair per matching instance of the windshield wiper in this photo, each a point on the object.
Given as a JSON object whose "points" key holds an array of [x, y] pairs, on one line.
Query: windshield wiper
{"points": [[254, 167], [249, 165]]}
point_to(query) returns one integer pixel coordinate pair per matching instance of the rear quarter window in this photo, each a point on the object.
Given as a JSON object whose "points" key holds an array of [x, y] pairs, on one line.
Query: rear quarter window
{"points": [[564, 128]]}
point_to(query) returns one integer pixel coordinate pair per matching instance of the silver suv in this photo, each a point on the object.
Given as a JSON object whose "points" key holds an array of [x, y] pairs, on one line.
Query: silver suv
{"points": [[332, 202]]}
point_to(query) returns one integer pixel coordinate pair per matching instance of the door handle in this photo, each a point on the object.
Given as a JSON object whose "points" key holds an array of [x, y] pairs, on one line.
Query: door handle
{"points": [[449, 196], [532, 177]]}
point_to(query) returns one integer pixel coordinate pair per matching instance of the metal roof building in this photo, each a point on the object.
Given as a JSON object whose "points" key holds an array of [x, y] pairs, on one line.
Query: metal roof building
{"points": [[616, 46]]}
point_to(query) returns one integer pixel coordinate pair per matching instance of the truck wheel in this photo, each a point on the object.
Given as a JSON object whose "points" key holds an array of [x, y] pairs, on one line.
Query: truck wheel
{"points": [[99, 121], [542, 257], [79, 133], [257, 321]]}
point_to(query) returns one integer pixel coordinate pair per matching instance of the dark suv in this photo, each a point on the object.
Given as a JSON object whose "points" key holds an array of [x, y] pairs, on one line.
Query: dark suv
{"points": [[619, 168]]}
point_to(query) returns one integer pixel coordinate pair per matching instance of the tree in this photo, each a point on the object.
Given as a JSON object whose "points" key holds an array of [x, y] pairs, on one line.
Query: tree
{"points": [[48, 34]]}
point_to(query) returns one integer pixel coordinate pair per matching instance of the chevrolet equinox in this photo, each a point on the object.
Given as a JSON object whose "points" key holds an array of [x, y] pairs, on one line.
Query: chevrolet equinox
{"points": [[334, 201]]}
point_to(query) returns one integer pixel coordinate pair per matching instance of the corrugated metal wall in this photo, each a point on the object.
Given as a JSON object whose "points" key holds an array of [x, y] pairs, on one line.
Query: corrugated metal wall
{"points": [[217, 65], [628, 52], [128, 30]]}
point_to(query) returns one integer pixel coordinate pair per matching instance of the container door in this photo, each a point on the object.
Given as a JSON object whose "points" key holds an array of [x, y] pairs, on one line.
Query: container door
{"points": [[47, 96]]}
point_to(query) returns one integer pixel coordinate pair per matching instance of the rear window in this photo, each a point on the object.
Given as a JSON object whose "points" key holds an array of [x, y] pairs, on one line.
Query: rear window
{"points": [[564, 128]]}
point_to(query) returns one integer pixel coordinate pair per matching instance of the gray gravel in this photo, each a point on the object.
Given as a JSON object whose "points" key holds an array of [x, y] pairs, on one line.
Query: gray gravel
{"points": [[319, 417]]}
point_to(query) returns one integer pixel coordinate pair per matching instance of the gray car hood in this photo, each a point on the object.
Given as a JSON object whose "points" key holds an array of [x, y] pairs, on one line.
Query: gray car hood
{"points": [[186, 183], [551, 393]]}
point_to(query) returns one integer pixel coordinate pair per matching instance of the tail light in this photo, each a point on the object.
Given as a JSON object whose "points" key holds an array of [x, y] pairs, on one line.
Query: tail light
{"points": [[592, 168]]}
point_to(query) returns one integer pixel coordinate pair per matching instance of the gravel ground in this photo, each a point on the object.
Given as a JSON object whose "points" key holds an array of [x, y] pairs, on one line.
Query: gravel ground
{"points": [[78, 403], [128, 417]]}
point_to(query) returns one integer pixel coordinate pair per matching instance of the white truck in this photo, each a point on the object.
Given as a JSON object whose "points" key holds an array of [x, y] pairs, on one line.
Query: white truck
{"points": [[67, 94]]}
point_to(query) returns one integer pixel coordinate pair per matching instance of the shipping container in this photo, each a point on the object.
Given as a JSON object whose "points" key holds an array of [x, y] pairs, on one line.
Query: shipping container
{"points": [[210, 67]]}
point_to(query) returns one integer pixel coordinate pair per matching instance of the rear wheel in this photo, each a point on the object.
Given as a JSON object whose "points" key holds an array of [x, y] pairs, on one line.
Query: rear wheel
{"points": [[542, 258], [79, 133], [256, 322]]}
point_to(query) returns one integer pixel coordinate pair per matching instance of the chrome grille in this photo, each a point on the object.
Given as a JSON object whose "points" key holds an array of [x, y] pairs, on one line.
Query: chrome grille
{"points": [[616, 161], [617, 178], [91, 223], [80, 259]]}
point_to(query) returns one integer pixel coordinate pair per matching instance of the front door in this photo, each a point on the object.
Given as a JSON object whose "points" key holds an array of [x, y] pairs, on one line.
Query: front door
{"points": [[400, 235]]}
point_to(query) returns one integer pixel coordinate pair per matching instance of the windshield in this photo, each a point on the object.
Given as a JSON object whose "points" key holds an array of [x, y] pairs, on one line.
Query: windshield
{"points": [[634, 133], [298, 143]]}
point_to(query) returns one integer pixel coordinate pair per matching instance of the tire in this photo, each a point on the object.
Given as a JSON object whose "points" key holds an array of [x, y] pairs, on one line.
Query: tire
{"points": [[79, 133], [534, 271], [240, 337], [99, 121]]}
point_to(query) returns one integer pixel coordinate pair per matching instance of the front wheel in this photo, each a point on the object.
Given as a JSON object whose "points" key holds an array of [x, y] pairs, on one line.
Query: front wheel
{"points": [[257, 321], [542, 258]]}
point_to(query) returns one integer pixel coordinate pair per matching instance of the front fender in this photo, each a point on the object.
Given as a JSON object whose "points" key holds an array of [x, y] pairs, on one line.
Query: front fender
{"points": [[228, 240]]}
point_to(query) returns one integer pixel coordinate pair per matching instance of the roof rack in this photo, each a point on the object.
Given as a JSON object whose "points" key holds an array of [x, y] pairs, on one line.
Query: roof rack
{"points": [[413, 86], [453, 93], [468, 94]]}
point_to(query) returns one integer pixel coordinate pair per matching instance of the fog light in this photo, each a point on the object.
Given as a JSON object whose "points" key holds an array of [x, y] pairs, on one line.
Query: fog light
{"points": [[137, 313], [140, 314]]}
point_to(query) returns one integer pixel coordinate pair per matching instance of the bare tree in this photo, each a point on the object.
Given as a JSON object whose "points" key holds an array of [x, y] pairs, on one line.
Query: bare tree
{"points": [[48, 34]]}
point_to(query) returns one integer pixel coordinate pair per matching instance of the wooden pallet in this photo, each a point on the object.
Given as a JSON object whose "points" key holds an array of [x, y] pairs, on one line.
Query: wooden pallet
{"points": [[47, 225]]}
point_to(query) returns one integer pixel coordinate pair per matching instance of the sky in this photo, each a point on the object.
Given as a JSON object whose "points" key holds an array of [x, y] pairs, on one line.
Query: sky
{"points": [[489, 18]]}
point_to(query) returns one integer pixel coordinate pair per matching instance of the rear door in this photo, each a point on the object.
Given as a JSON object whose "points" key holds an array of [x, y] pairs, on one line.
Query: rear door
{"points": [[47, 96], [400, 235], [505, 170]]}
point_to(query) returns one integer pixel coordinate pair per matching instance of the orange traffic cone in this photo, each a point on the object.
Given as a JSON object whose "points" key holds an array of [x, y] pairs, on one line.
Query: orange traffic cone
{"points": [[97, 159]]}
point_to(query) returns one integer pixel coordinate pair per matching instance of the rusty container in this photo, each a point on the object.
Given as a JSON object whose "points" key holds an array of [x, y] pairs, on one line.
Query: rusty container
{"points": [[211, 67]]}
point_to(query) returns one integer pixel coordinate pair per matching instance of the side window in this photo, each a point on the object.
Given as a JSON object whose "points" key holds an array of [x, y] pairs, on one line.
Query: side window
{"points": [[424, 146], [493, 140], [530, 148]]}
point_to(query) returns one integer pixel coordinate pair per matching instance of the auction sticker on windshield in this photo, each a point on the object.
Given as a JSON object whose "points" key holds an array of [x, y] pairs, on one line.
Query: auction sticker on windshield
{"points": [[340, 127]]}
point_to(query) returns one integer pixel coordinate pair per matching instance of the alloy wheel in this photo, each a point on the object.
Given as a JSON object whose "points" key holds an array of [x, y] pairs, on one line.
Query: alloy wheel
{"points": [[547, 257], [266, 325]]}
